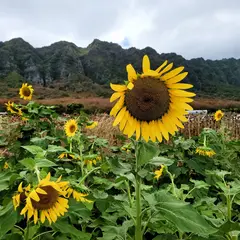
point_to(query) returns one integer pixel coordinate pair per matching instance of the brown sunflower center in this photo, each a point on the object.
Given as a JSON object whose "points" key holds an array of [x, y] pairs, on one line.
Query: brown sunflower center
{"points": [[148, 100], [72, 128], [26, 92], [46, 200]]}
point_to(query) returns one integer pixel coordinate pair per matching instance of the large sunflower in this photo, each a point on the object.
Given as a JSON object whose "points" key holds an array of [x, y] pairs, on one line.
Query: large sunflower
{"points": [[46, 201], [152, 104], [26, 91], [71, 127], [12, 108]]}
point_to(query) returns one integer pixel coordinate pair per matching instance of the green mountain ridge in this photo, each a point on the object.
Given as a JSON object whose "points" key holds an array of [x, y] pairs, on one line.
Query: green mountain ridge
{"points": [[102, 62]]}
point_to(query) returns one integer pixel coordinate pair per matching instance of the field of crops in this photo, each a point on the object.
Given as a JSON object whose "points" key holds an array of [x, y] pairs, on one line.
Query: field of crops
{"points": [[83, 177]]}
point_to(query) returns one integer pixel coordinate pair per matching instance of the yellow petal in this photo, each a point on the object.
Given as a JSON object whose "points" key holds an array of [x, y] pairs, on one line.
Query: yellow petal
{"points": [[145, 64], [41, 191], [144, 130], [48, 177], [52, 215], [115, 96], [117, 106], [167, 125], [152, 131], [128, 126], [177, 78], [130, 86], [20, 189], [167, 68], [161, 66], [163, 130], [181, 93], [138, 130], [133, 127], [132, 75], [150, 73], [33, 195], [172, 74], [183, 105], [35, 216], [179, 86], [118, 88], [124, 121], [42, 217], [120, 116]]}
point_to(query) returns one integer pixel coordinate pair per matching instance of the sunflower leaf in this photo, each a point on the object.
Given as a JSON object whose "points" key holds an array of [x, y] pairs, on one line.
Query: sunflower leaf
{"points": [[145, 152], [44, 163]]}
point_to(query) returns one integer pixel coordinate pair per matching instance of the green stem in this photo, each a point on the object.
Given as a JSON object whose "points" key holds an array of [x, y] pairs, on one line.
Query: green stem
{"points": [[83, 178], [27, 231], [38, 174], [173, 185], [70, 145], [42, 234], [229, 207], [129, 193], [138, 229], [16, 226]]}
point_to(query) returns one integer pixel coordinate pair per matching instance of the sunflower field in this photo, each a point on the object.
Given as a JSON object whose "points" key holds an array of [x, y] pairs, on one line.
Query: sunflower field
{"points": [[60, 181]]}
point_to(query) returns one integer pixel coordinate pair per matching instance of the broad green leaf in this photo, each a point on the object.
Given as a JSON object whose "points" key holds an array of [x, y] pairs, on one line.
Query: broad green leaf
{"points": [[5, 178], [44, 163], [7, 221], [54, 148], [157, 161], [34, 149], [146, 152], [199, 184], [28, 163], [64, 227], [78, 209], [100, 194], [181, 214]]}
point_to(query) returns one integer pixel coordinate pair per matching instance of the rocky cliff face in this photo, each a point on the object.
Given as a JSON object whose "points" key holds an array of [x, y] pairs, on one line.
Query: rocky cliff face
{"points": [[102, 62]]}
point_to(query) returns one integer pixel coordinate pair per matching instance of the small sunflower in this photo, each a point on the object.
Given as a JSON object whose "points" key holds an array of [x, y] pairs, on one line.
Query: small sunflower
{"points": [[78, 196], [92, 125], [26, 91], [71, 127], [66, 155], [12, 108], [21, 195], [6, 165], [46, 201], [158, 173], [205, 151], [218, 115], [91, 161], [152, 104]]}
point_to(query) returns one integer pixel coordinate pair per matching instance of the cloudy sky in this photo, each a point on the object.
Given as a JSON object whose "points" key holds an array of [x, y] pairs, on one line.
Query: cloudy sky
{"points": [[192, 28]]}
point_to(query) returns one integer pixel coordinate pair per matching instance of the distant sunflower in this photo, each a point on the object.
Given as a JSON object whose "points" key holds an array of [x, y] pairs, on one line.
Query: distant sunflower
{"points": [[46, 201], [205, 151], [152, 104], [12, 108], [218, 115], [66, 155], [26, 91], [158, 173], [6, 165], [92, 125], [71, 127]]}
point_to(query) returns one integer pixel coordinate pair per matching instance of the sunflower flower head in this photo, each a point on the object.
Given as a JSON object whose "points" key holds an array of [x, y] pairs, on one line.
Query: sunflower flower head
{"points": [[205, 151], [91, 161], [26, 91], [67, 156], [20, 195], [6, 165], [92, 125], [158, 173], [152, 104], [218, 115], [12, 108], [46, 201], [71, 127]]}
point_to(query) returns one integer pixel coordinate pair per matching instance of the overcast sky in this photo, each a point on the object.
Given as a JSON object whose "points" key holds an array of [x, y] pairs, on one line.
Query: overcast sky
{"points": [[192, 28]]}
